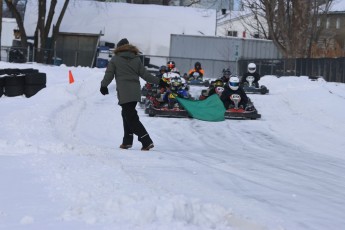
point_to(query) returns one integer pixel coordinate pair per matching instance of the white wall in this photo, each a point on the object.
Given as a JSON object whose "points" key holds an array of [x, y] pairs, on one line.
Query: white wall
{"points": [[8, 25], [245, 23]]}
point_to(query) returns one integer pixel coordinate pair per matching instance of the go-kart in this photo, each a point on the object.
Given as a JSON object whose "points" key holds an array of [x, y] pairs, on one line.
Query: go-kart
{"points": [[196, 79], [238, 112], [249, 87]]}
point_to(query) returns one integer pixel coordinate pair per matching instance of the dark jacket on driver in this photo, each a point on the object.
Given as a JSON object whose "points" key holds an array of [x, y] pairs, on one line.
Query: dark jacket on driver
{"points": [[225, 97], [256, 76]]}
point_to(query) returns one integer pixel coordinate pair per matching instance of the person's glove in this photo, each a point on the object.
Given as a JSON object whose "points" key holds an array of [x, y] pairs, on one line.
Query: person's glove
{"points": [[104, 90], [163, 84]]}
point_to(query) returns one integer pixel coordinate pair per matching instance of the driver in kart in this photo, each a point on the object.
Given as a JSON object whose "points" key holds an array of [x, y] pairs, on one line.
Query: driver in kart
{"points": [[251, 72], [197, 72], [231, 88]]}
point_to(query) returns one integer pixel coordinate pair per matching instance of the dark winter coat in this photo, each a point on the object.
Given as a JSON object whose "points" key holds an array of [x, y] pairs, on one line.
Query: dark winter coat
{"points": [[126, 67], [225, 97], [256, 76]]}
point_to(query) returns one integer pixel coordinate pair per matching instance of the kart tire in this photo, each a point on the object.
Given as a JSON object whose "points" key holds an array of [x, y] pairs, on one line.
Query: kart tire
{"points": [[35, 79], [206, 83], [31, 90], [263, 89]]}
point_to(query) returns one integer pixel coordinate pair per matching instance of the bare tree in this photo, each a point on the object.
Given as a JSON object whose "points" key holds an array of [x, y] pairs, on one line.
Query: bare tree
{"points": [[292, 24], [44, 24]]}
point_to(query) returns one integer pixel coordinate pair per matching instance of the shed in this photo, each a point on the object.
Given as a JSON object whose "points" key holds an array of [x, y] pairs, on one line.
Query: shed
{"points": [[76, 49]]}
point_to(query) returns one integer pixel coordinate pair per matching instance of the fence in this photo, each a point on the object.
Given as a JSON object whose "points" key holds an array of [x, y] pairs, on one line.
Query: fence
{"points": [[22, 55], [331, 69]]}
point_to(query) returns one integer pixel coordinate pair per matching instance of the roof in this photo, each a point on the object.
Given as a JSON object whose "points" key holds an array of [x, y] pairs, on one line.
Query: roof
{"points": [[146, 26], [338, 6]]}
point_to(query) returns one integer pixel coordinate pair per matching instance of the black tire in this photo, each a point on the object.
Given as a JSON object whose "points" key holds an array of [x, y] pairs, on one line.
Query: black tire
{"points": [[35, 79], [13, 80], [28, 71], [31, 90], [14, 85], [2, 72], [14, 90], [2, 83], [12, 71]]}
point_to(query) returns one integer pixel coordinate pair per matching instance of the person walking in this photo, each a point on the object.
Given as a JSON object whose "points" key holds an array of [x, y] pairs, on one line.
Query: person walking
{"points": [[126, 67]]}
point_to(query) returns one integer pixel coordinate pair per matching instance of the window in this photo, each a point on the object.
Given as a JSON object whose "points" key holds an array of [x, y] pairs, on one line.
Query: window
{"points": [[328, 22], [337, 25], [232, 33]]}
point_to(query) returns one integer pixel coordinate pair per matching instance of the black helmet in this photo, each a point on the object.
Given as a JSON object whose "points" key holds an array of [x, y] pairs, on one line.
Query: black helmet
{"points": [[226, 72], [163, 68], [197, 65]]}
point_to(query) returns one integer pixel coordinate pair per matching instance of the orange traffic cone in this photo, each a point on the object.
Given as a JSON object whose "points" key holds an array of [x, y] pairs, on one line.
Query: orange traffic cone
{"points": [[70, 75]]}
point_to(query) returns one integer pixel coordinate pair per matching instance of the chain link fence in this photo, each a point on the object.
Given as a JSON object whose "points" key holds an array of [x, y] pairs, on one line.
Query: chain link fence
{"points": [[331, 69]]}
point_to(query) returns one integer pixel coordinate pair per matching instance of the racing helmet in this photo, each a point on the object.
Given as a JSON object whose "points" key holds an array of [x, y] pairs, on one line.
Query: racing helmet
{"points": [[218, 83], [251, 67], [197, 65], [163, 69], [234, 83], [171, 64], [226, 75], [176, 81]]}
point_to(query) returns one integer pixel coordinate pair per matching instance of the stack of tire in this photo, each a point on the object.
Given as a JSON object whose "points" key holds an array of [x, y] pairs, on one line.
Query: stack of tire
{"points": [[2, 82], [17, 82]]}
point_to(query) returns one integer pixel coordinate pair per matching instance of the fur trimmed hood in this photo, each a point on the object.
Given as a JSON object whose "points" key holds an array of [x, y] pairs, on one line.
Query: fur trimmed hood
{"points": [[127, 47]]}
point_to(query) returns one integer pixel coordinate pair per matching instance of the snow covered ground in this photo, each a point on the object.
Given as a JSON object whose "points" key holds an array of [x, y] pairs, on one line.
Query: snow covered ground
{"points": [[61, 168]]}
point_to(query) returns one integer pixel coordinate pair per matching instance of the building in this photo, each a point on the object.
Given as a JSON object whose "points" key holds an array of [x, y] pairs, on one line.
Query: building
{"points": [[331, 42], [242, 24]]}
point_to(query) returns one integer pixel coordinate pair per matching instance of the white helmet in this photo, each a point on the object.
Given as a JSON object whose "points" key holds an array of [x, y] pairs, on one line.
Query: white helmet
{"points": [[234, 83], [251, 67]]}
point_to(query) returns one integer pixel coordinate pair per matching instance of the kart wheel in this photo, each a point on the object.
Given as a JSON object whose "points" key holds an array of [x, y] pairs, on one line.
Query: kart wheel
{"points": [[263, 90], [206, 83]]}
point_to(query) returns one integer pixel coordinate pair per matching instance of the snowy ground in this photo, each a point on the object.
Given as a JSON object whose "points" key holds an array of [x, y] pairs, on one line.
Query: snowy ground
{"points": [[61, 168]]}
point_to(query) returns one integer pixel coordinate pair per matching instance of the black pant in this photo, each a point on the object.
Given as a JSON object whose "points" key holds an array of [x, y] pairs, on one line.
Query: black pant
{"points": [[132, 125]]}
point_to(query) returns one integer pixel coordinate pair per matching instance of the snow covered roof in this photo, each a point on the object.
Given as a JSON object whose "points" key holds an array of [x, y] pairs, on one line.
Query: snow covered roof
{"points": [[141, 24], [337, 6]]}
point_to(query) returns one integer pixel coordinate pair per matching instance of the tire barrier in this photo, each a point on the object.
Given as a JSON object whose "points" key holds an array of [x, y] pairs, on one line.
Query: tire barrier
{"points": [[34, 82], [14, 85], [16, 82], [2, 83]]}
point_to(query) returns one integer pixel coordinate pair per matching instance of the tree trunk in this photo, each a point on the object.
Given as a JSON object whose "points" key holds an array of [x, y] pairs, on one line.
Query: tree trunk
{"points": [[19, 20], [56, 29]]}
